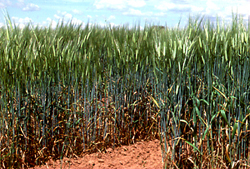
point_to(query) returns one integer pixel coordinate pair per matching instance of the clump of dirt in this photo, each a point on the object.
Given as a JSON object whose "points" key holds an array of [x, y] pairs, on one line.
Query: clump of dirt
{"points": [[144, 154]]}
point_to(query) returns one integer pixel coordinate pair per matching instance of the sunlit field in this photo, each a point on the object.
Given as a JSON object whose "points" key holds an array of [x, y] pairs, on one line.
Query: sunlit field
{"points": [[72, 89]]}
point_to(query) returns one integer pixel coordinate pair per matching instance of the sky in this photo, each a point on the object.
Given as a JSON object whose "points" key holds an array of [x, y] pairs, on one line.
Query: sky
{"points": [[119, 12]]}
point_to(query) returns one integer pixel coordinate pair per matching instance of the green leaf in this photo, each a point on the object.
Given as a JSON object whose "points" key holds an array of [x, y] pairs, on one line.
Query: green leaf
{"points": [[193, 146], [243, 121], [205, 132], [223, 113], [208, 126], [236, 124], [204, 101]]}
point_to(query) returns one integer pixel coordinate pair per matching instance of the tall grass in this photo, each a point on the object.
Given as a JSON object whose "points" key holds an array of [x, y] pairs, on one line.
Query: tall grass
{"points": [[68, 90]]}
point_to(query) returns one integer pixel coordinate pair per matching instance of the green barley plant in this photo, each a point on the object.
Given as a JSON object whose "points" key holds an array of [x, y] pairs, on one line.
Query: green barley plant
{"points": [[70, 90]]}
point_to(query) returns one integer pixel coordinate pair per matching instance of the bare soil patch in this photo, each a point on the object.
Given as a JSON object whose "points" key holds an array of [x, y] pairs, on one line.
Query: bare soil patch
{"points": [[144, 154]]}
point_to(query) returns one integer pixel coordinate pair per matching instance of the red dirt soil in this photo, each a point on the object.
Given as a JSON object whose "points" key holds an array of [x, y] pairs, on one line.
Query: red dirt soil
{"points": [[144, 154]]}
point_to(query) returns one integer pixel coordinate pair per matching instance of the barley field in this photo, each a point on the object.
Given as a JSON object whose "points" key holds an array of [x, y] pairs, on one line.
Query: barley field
{"points": [[72, 89]]}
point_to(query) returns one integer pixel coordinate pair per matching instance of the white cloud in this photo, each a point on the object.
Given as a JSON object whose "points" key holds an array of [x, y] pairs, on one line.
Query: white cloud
{"points": [[76, 21], [60, 15], [88, 16], [206, 7], [31, 7], [211, 8], [113, 24], [244, 9], [50, 22], [5, 3], [118, 4], [166, 6], [65, 17], [68, 16], [22, 22], [1, 25], [74, 0], [75, 11], [106, 24], [111, 17], [110, 4], [136, 12], [136, 3], [197, 9], [2, 5], [211, 5], [224, 9], [133, 12], [57, 17]]}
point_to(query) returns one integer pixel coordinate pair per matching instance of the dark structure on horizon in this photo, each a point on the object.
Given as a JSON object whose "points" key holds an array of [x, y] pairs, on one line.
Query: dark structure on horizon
{"points": [[158, 27]]}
